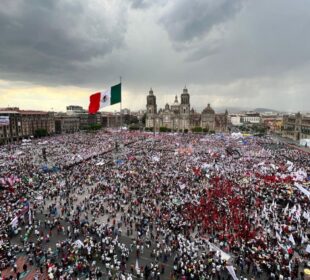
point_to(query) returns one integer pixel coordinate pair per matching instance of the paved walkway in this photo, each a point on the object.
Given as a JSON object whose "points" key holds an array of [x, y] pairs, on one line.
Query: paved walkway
{"points": [[29, 275]]}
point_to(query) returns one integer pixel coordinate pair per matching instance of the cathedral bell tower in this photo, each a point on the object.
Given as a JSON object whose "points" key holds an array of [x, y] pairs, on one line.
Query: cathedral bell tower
{"points": [[151, 106], [185, 105]]}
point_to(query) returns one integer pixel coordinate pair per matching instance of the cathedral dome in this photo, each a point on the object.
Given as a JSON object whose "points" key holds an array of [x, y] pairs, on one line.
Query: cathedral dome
{"points": [[176, 102], [208, 110]]}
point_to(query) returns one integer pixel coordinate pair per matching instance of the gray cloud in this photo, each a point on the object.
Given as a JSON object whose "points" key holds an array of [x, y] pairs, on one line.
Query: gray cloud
{"points": [[234, 52], [140, 4], [53, 39], [188, 20]]}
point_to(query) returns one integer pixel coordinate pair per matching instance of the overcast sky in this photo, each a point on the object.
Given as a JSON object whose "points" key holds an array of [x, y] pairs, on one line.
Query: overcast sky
{"points": [[230, 53]]}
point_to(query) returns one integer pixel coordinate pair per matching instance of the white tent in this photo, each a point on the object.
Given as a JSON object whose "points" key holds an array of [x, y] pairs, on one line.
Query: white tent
{"points": [[236, 134], [304, 142], [79, 243]]}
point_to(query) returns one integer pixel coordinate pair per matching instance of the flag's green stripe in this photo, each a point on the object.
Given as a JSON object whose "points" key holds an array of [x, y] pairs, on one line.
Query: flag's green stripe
{"points": [[116, 94]]}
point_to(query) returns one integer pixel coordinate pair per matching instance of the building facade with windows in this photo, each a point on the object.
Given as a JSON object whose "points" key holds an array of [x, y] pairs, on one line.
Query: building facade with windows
{"points": [[75, 109], [179, 116], [34, 120], [296, 126], [11, 130], [66, 123], [250, 118], [24, 123]]}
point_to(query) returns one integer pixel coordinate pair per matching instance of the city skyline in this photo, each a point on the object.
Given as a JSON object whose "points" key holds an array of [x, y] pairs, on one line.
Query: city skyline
{"points": [[228, 53]]}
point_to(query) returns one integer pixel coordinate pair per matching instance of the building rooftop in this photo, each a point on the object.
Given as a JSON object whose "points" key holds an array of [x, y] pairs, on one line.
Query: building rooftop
{"points": [[32, 112], [8, 112]]}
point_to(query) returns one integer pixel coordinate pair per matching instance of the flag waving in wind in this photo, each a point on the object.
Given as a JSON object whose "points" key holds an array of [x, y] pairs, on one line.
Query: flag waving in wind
{"points": [[100, 100]]}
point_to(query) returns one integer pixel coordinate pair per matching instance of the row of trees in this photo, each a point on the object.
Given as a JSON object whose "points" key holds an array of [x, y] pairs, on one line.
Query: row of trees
{"points": [[255, 128], [197, 129], [42, 132]]}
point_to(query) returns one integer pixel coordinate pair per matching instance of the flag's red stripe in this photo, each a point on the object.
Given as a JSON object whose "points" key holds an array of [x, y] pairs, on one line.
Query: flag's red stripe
{"points": [[94, 103]]}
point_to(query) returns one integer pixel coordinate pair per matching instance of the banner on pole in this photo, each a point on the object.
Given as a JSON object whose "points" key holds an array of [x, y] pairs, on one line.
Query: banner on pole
{"points": [[4, 120]]}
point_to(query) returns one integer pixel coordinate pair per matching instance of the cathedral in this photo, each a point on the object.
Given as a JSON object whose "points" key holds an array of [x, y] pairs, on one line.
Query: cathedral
{"points": [[179, 116]]}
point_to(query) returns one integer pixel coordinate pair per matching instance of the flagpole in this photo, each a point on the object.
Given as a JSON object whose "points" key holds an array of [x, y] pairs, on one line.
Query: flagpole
{"points": [[120, 79]]}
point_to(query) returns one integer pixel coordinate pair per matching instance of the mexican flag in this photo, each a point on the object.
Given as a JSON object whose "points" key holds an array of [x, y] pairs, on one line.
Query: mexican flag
{"points": [[103, 99]]}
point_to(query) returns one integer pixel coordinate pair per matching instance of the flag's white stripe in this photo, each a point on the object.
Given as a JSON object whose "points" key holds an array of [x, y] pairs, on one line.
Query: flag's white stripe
{"points": [[105, 98]]}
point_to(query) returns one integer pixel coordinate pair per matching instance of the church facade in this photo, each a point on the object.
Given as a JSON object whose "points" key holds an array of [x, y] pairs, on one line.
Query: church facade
{"points": [[179, 116]]}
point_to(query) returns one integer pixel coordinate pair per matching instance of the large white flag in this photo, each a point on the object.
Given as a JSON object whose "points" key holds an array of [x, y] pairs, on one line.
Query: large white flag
{"points": [[30, 217], [232, 272], [14, 222], [291, 238], [224, 256], [308, 248], [303, 190]]}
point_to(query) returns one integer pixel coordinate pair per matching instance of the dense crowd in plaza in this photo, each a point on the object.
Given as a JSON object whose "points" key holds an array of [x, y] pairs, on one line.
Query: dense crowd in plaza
{"points": [[124, 205]]}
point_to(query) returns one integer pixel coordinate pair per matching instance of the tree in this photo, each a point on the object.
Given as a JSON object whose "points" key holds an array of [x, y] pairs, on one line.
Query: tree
{"points": [[197, 129], [164, 129], [40, 132], [143, 119], [134, 127], [94, 126], [259, 128], [129, 119]]}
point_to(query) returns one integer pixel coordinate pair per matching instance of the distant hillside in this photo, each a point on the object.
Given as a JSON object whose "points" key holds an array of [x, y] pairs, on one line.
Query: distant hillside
{"points": [[262, 110], [231, 110], [234, 110]]}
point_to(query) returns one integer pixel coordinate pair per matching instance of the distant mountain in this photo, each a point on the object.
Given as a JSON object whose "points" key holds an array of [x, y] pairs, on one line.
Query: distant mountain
{"points": [[235, 110], [222, 109], [231, 110], [263, 110]]}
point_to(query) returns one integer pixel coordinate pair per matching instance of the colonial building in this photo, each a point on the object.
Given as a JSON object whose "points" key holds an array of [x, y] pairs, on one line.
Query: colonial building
{"points": [[24, 123], [34, 120], [109, 120], [179, 116], [251, 118], [65, 123], [273, 122], [75, 109], [296, 126], [12, 129]]}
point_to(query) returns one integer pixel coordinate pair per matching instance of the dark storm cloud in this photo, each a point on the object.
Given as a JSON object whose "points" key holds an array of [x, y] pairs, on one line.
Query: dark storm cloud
{"points": [[51, 40], [187, 20], [236, 51], [140, 4]]}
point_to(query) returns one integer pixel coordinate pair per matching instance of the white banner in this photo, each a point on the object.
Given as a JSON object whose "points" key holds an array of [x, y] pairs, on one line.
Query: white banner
{"points": [[232, 272], [291, 238], [30, 217], [224, 256], [303, 190], [14, 223], [4, 120], [79, 243]]}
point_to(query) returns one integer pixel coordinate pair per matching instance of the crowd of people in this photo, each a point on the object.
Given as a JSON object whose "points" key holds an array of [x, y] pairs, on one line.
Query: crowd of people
{"points": [[123, 205]]}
